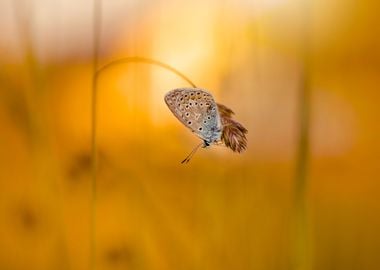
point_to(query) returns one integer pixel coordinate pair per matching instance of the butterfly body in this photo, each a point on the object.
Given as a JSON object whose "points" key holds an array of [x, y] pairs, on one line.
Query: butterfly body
{"points": [[197, 110]]}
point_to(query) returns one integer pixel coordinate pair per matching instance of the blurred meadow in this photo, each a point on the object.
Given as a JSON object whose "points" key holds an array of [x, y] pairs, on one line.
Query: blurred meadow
{"points": [[302, 76]]}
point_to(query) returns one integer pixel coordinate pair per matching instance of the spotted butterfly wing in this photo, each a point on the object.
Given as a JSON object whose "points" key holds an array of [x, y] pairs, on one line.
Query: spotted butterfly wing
{"points": [[197, 110]]}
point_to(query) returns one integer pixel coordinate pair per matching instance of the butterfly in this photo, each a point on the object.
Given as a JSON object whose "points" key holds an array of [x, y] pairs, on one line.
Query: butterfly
{"points": [[212, 122]]}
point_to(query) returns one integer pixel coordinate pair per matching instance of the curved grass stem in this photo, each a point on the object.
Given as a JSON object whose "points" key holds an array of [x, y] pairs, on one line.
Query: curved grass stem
{"points": [[97, 73]]}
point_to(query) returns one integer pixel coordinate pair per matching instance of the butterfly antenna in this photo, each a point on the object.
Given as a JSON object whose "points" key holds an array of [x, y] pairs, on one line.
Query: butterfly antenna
{"points": [[187, 159]]}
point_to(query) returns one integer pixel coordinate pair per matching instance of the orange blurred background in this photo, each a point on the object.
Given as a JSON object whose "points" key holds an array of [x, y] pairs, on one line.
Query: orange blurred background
{"points": [[302, 76]]}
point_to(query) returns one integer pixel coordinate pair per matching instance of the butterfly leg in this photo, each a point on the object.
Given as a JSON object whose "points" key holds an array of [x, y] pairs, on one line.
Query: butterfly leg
{"points": [[187, 159]]}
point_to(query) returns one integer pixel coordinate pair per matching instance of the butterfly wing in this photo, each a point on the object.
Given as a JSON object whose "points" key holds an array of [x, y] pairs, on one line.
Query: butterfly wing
{"points": [[197, 110]]}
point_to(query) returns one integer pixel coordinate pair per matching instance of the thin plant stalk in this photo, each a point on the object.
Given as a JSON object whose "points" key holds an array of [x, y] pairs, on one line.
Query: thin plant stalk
{"points": [[96, 43], [302, 251], [96, 76]]}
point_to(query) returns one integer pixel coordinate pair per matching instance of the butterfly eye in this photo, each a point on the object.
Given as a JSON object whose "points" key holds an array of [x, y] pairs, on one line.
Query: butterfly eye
{"points": [[187, 106], [198, 93], [196, 103], [204, 121], [201, 104], [185, 96], [192, 94], [187, 114], [189, 123], [190, 103], [208, 117], [181, 98], [200, 129]]}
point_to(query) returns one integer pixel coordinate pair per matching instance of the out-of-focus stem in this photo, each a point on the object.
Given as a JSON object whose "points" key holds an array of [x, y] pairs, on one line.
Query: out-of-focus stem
{"points": [[96, 43], [302, 252]]}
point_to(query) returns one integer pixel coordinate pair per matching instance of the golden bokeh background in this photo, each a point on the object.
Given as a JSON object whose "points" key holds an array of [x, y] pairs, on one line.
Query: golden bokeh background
{"points": [[302, 76]]}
